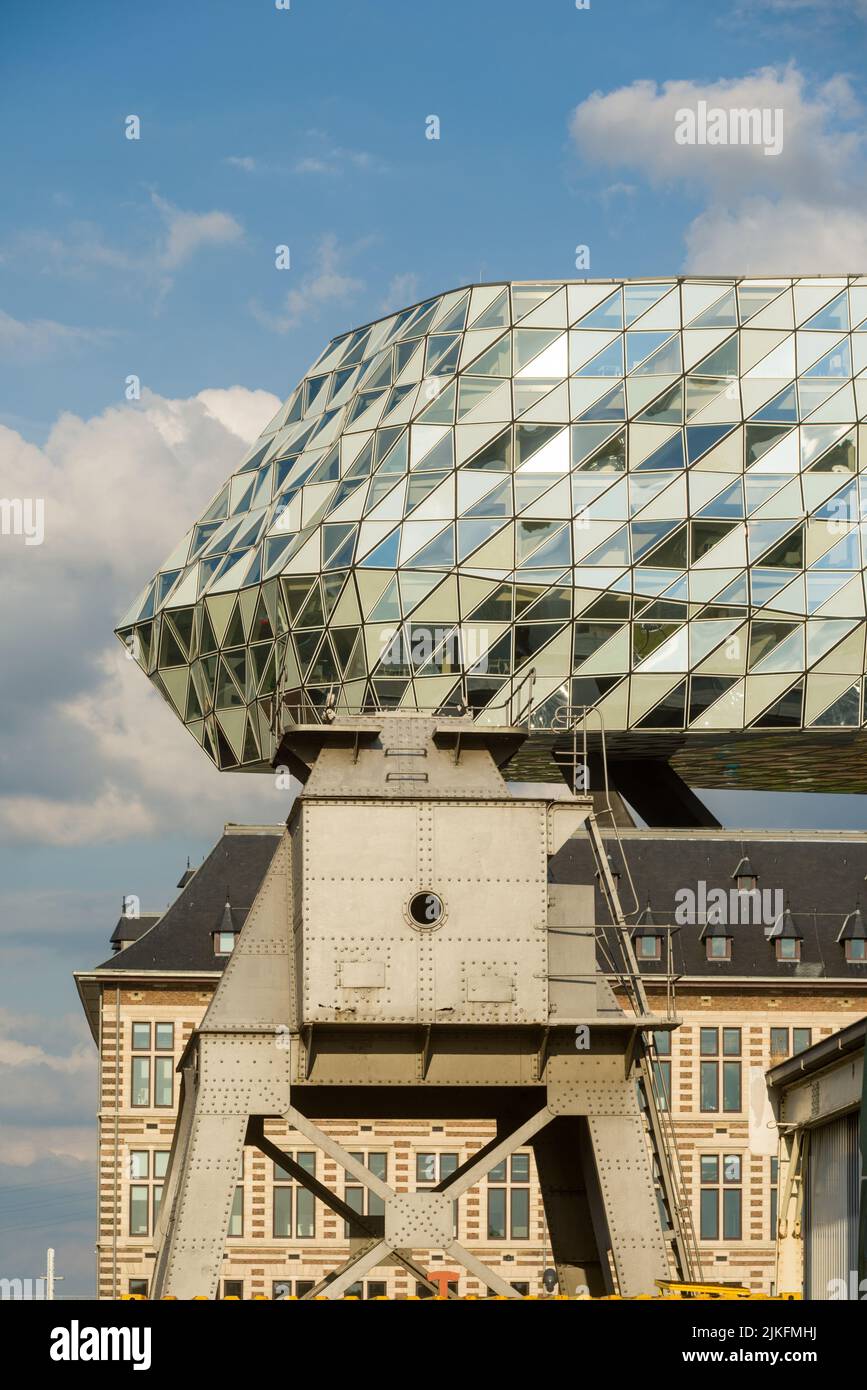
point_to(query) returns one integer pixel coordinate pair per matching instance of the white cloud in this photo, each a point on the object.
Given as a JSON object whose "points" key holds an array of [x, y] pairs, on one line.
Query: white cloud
{"points": [[90, 752], [80, 250], [242, 161], [801, 211], [327, 283], [187, 232], [41, 338], [792, 237], [24, 1147], [328, 157]]}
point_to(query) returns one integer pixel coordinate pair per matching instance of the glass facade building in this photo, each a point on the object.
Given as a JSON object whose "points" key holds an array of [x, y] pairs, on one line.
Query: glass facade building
{"points": [[645, 493]]}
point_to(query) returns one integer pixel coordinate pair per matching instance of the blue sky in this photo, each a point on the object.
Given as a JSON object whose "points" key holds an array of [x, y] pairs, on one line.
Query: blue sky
{"points": [[155, 258]]}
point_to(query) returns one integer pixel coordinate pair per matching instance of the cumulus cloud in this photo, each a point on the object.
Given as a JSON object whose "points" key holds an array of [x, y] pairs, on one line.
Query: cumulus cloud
{"points": [[801, 211], [89, 751], [326, 283]]}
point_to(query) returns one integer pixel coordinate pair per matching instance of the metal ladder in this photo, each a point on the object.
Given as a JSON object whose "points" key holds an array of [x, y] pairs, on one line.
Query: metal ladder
{"points": [[660, 1128]]}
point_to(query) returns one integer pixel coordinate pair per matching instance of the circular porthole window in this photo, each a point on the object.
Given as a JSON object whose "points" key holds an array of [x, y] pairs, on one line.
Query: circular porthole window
{"points": [[426, 909]]}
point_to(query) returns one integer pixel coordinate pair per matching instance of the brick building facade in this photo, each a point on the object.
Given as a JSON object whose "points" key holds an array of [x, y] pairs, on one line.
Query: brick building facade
{"points": [[743, 1006]]}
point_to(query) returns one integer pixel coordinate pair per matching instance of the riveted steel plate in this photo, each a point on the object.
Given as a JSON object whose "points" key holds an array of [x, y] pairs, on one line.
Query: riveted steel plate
{"points": [[414, 1219]]}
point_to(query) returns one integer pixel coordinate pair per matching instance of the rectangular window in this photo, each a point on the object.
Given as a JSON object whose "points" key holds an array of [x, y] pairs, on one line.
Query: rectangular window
{"points": [[138, 1210], [709, 1086], [141, 1080], [731, 1087], [165, 1037], [164, 1075], [775, 1166], [141, 1037], [788, 948], [139, 1164], [856, 949], [360, 1198], [305, 1214], [801, 1039], [731, 1213], [157, 1202], [509, 1199], [138, 1288], [496, 1213], [161, 1163], [720, 1189], [520, 1168], [282, 1226], [662, 1069], [718, 947], [303, 1201], [425, 1168], [236, 1216], [715, 1073], [779, 1042], [648, 947], [224, 943], [709, 1197], [709, 1214], [233, 1288], [520, 1213]]}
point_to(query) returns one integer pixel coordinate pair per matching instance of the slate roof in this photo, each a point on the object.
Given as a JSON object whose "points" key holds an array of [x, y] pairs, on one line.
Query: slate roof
{"points": [[820, 876], [131, 928], [182, 939]]}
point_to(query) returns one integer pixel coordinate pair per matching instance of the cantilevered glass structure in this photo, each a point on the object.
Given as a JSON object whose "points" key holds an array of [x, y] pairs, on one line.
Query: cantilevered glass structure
{"points": [[641, 497]]}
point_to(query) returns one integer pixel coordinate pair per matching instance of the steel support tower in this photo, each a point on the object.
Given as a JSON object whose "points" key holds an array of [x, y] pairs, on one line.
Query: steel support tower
{"points": [[408, 956]]}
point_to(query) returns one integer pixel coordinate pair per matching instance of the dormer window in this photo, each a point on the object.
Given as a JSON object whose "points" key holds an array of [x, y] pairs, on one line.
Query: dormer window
{"points": [[853, 937], [786, 937], [718, 947], [646, 936], [226, 931], [648, 947], [745, 877]]}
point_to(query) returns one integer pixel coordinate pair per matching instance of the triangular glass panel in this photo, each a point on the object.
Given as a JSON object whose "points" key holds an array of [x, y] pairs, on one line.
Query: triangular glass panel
{"points": [[832, 316], [701, 438], [496, 456], [384, 555], [608, 362], [667, 409], [721, 314], [668, 455], [608, 314], [610, 406], [783, 408]]}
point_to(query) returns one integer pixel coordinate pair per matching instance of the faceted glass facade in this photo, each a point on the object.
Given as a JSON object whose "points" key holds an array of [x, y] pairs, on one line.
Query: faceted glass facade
{"points": [[646, 493]]}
